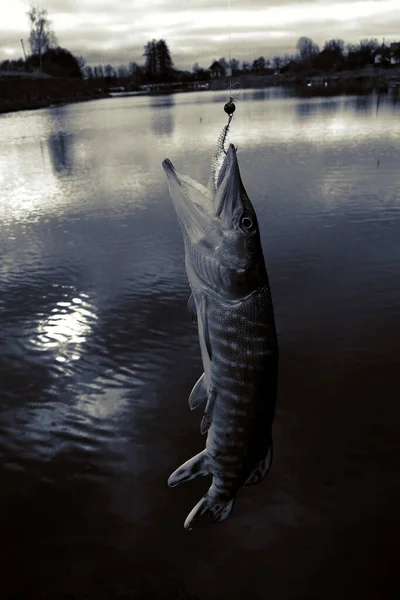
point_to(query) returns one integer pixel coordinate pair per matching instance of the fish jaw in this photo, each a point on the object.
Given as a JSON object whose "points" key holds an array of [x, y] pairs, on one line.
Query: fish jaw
{"points": [[193, 205], [192, 201]]}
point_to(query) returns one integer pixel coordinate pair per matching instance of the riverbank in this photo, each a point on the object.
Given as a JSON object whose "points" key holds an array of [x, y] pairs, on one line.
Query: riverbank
{"points": [[25, 93], [366, 79], [31, 91]]}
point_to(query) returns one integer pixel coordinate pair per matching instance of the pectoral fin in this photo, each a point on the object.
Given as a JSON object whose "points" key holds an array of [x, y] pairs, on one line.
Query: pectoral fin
{"points": [[198, 395], [261, 469], [204, 334]]}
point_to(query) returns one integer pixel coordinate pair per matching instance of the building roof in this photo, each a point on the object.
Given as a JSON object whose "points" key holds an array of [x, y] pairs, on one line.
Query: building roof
{"points": [[216, 66]]}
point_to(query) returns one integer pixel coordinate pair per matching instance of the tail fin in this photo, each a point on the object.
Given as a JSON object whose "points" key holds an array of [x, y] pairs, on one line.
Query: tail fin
{"points": [[218, 511], [195, 466], [198, 511]]}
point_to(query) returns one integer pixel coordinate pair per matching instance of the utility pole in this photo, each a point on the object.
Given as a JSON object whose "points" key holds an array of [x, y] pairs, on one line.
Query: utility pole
{"points": [[23, 48]]}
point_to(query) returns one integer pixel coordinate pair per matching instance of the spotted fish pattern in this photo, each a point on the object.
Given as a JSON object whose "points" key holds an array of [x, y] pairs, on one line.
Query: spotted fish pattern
{"points": [[232, 301]]}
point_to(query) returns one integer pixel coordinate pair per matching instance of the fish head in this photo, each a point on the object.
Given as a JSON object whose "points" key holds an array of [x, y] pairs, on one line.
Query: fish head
{"points": [[220, 230]]}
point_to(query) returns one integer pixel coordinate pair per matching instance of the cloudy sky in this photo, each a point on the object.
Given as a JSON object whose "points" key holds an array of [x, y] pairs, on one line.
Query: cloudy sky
{"points": [[115, 31]]}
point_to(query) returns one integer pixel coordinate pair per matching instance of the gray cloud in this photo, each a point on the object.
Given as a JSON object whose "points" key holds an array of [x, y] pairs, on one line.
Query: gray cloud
{"points": [[115, 32], [249, 5], [60, 6]]}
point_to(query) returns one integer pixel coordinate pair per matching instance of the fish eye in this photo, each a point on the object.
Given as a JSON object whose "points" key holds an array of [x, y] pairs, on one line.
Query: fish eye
{"points": [[246, 223]]}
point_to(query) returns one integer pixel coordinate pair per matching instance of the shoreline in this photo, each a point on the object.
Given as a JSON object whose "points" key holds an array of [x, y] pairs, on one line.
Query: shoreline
{"points": [[18, 93]]}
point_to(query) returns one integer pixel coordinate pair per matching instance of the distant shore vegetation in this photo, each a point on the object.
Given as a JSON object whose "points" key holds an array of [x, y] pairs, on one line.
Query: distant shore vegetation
{"points": [[48, 58]]}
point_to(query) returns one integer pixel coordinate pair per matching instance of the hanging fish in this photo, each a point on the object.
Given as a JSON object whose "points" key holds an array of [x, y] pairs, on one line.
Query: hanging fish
{"points": [[232, 299]]}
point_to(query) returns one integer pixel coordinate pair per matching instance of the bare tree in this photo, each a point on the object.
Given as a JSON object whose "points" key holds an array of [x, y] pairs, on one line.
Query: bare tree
{"points": [[132, 68], [277, 62], [258, 64], [306, 48], [135, 73], [98, 72], [287, 58], [81, 61], [234, 64], [41, 37], [122, 71], [335, 46], [109, 71], [364, 52], [88, 72], [369, 45]]}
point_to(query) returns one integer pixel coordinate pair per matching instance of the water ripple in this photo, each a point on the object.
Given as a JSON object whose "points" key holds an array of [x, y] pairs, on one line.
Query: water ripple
{"points": [[99, 354]]}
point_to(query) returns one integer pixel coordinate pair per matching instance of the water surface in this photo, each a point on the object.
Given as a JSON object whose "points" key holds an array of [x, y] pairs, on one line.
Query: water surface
{"points": [[98, 353]]}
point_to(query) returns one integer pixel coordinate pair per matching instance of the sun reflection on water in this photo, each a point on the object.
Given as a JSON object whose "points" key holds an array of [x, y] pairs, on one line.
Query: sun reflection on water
{"points": [[66, 328]]}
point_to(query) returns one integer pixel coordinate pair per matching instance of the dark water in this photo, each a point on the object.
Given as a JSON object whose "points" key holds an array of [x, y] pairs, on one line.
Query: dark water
{"points": [[98, 353]]}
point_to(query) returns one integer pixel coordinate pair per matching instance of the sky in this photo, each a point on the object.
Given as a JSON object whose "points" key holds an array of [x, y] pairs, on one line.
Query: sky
{"points": [[115, 31]]}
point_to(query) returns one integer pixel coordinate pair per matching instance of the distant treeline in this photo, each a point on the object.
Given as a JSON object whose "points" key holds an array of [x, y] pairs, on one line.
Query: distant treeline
{"points": [[158, 66]]}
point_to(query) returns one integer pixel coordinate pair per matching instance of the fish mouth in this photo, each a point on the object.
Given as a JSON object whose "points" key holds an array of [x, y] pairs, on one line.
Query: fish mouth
{"points": [[215, 246], [193, 202]]}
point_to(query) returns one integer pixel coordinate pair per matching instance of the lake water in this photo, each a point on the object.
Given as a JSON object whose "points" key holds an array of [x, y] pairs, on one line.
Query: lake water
{"points": [[98, 353]]}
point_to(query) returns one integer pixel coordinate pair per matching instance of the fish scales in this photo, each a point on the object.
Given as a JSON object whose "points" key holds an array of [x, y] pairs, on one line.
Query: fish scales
{"points": [[231, 295], [241, 428]]}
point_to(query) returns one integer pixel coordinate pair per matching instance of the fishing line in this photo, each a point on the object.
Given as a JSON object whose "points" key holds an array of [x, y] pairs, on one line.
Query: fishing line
{"points": [[229, 43], [230, 107]]}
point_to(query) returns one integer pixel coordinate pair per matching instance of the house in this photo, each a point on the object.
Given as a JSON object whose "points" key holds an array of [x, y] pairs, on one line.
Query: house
{"points": [[216, 70], [383, 56], [395, 52], [388, 54], [378, 57]]}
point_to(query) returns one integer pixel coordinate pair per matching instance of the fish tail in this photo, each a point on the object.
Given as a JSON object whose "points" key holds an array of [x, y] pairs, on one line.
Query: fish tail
{"points": [[218, 511]]}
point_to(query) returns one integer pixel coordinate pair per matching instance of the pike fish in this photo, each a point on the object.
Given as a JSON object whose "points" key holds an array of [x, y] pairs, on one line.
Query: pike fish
{"points": [[232, 301]]}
